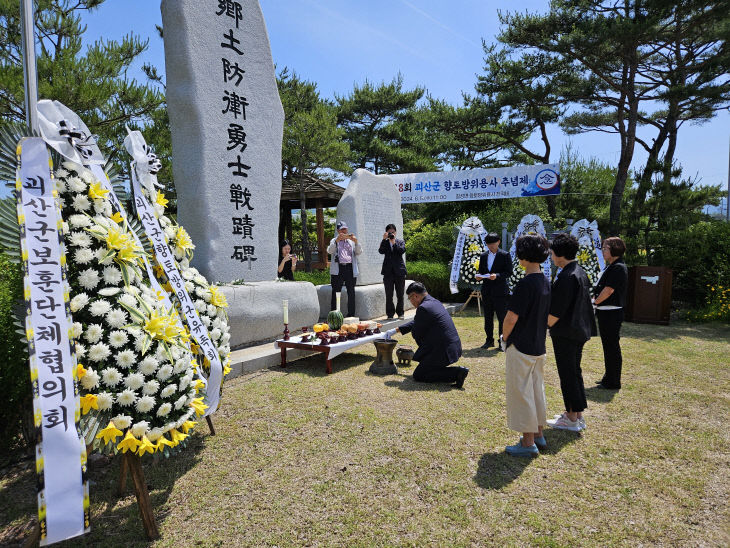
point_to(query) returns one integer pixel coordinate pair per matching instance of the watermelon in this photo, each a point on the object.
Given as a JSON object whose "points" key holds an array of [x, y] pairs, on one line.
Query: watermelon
{"points": [[335, 319]]}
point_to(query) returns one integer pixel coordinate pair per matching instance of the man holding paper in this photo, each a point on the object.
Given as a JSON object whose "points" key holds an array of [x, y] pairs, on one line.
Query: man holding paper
{"points": [[495, 268]]}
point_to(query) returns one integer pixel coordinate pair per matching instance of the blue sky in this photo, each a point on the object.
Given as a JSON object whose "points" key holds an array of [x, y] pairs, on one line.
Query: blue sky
{"points": [[432, 43]]}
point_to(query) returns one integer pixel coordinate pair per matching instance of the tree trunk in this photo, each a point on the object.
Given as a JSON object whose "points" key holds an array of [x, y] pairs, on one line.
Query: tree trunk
{"points": [[305, 230]]}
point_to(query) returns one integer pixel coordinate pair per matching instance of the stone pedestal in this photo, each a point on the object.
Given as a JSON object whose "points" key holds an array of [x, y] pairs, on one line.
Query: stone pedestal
{"points": [[256, 310], [383, 364], [369, 300]]}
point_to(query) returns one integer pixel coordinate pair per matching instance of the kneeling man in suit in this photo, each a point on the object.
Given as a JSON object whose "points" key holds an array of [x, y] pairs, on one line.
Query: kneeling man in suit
{"points": [[438, 342]]}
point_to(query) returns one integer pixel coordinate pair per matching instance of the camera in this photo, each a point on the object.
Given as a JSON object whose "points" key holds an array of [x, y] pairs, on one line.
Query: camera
{"points": [[391, 236]]}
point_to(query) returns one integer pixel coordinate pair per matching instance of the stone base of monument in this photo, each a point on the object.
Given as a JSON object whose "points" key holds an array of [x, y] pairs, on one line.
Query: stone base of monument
{"points": [[256, 312], [369, 300]]}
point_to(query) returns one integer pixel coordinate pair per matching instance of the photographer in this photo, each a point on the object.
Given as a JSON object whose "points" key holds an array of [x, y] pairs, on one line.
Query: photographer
{"points": [[287, 262], [393, 271], [343, 249]]}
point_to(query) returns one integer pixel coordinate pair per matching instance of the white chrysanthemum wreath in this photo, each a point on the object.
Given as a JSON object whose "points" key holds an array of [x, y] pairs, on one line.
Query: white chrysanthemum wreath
{"points": [[473, 249], [136, 369], [209, 302]]}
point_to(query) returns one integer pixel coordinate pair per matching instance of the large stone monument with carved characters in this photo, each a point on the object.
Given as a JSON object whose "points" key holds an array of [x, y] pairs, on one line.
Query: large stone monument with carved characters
{"points": [[226, 121]]}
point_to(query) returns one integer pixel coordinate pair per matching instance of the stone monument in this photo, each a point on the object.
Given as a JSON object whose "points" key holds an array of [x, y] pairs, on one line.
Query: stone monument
{"points": [[226, 121], [369, 203]]}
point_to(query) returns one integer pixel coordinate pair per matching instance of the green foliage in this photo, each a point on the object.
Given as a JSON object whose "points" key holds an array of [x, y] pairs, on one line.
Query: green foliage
{"points": [[433, 242], [385, 128], [717, 306], [14, 372], [699, 257], [435, 276], [317, 277]]}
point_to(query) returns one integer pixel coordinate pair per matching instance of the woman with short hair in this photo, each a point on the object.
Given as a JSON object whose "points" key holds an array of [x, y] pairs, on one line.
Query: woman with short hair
{"points": [[571, 324], [524, 331], [610, 300]]}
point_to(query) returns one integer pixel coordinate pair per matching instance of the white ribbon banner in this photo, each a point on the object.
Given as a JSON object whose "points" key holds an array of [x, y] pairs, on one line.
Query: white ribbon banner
{"points": [[166, 260], [587, 233], [478, 184], [63, 496], [471, 227]]}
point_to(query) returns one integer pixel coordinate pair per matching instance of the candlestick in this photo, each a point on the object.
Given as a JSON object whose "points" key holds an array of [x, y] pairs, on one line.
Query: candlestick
{"points": [[286, 311], [286, 331]]}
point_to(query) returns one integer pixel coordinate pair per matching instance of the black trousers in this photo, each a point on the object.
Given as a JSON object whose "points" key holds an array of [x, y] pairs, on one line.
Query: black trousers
{"points": [[399, 284], [344, 277], [491, 305], [609, 327], [568, 354], [432, 369]]}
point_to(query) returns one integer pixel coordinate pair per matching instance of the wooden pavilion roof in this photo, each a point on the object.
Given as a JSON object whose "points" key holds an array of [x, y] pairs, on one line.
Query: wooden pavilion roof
{"points": [[314, 189]]}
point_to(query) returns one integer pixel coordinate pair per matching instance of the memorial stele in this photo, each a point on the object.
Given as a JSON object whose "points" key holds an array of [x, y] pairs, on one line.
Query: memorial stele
{"points": [[226, 121], [369, 203]]}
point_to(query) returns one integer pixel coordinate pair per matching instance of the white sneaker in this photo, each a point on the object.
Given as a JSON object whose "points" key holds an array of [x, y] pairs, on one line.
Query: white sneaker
{"points": [[582, 423], [564, 423]]}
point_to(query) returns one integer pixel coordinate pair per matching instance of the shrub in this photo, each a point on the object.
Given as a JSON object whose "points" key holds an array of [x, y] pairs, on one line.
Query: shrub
{"points": [[435, 276], [317, 277], [717, 306], [14, 372], [430, 241], [699, 257]]}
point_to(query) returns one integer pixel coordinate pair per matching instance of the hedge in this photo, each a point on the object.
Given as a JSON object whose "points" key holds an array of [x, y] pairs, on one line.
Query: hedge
{"points": [[14, 372]]}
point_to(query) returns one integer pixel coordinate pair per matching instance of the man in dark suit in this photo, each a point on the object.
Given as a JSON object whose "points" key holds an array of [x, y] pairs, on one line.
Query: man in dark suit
{"points": [[393, 271], [438, 342], [495, 268]]}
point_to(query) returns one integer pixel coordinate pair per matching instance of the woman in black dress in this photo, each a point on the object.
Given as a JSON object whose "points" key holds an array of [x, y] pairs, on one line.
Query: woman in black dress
{"points": [[287, 262], [610, 300]]}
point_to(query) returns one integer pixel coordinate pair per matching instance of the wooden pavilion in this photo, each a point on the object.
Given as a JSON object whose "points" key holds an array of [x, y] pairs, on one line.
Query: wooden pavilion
{"points": [[318, 194]]}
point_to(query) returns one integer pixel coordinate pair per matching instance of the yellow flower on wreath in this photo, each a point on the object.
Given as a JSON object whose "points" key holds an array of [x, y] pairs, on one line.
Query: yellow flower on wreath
{"points": [[96, 192], [584, 256], [475, 264], [129, 443], [110, 433], [183, 242], [473, 248], [160, 199], [217, 298]]}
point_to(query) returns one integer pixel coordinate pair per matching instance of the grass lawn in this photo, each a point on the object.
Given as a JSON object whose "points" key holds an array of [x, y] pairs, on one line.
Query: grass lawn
{"points": [[349, 459]]}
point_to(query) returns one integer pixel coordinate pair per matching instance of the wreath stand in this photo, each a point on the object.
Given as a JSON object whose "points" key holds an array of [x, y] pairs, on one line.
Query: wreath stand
{"points": [[132, 463], [475, 294]]}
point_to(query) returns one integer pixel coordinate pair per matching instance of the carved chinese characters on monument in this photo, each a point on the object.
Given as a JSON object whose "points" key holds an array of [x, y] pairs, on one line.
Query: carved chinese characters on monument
{"points": [[226, 121]]}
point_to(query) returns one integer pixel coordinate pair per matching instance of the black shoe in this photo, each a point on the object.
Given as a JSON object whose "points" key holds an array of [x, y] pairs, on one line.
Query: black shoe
{"points": [[487, 344], [601, 381], [390, 317], [461, 376], [601, 385]]}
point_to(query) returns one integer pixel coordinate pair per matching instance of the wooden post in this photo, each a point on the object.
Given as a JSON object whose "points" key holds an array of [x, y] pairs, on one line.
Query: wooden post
{"points": [[321, 247], [122, 486], [210, 425], [143, 496]]}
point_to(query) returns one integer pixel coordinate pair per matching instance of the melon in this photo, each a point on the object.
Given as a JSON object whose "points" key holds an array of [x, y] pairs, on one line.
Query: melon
{"points": [[335, 319]]}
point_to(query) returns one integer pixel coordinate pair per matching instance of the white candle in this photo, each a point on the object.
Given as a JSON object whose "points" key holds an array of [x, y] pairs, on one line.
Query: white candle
{"points": [[286, 311], [338, 300]]}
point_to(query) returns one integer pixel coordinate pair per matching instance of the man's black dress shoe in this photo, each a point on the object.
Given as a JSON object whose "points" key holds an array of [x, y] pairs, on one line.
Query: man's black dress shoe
{"points": [[601, 385], [461, 376], [487, 344]]}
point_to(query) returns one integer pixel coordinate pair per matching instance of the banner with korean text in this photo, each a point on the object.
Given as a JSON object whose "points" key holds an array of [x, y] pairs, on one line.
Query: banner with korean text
{"points": [[478, 184], [63, 497]]}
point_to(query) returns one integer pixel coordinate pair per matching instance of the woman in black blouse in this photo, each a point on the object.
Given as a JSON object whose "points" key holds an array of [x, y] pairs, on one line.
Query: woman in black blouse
{"points": [[287, 262], [610, 300], [571, 324]]}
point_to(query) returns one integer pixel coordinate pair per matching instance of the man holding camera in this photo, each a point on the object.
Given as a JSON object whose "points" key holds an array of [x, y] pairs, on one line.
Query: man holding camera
{"points": [[393, 271], [343, 249]]}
